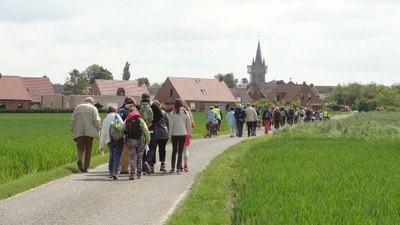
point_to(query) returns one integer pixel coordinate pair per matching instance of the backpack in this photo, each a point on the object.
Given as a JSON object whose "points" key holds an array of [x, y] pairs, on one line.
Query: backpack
{"points": [[123, 112], [133, 128], [116, 129], [146, 112], [267, 115]]}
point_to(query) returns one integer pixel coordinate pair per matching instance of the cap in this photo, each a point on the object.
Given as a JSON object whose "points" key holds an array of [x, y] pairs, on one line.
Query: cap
{"points": [[90, 100]]}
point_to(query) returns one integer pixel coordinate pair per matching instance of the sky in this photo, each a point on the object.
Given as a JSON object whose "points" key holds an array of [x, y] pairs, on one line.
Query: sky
{"points": [[320, 42]]}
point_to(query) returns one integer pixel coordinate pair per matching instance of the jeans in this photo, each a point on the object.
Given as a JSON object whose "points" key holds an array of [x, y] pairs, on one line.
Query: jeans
{"points": [[239, 125], [161, 143], [115, 148], [178, 142], [148, 156]]}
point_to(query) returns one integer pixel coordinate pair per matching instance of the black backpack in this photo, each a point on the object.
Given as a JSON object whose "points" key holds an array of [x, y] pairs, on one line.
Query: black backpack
{"points": [[267, 115], [133, 128]]}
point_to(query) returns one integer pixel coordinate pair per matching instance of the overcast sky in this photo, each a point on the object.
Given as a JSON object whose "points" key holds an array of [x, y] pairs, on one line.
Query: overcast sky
{"points": [[321, 42]]}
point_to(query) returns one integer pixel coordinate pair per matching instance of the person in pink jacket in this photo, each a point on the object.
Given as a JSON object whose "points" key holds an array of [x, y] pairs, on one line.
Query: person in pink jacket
{"points": [[85, 126]]}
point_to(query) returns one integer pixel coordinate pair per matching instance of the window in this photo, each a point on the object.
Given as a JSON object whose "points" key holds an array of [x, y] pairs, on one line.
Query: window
{"points": [[2, 105], [20, 105], [278, 98], [192, 106], [203, 91], [309, 96], [238, 99], [302, 96], [171, 92]]}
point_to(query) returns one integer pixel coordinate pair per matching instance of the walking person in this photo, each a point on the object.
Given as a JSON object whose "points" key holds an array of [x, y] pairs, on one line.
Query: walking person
{"points": [[162, 136], [266, 117], [85, 126], [179, 128], [136, 136], [123, 111], [251, 120], [240, 115], [277, 118], [188, 139], [230, 119], [114, 146]]}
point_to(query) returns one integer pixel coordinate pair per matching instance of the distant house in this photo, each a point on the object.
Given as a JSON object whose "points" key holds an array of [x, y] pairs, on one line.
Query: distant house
{"points": [[324, 90], [240, 95], [132, 88], [23, 92], [153, 91], [199, 93], [286, 92], [38, 87]]}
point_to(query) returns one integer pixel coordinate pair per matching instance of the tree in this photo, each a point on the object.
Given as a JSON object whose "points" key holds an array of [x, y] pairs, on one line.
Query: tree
{"points": [[97, 72], [76, 83], [145, 80], [229, 79], [244, 82], [157, 85], [126, 75]]}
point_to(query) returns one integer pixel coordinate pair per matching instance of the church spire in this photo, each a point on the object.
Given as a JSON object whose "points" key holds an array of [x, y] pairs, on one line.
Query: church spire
{"points": [[259, 59]]}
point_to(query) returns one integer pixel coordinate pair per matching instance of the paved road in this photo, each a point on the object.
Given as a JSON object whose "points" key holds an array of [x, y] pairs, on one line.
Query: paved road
{"points": [[93, 198]]}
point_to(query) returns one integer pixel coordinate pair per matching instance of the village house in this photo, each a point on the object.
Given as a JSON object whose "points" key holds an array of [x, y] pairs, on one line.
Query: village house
{"points": [[199, 93], [18, 92]]}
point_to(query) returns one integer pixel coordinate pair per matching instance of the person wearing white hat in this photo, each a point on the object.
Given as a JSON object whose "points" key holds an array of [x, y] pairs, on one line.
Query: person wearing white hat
{"points": [[85, 126]]}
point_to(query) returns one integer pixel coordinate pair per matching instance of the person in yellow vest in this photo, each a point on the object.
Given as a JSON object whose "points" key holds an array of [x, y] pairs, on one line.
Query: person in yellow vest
{"points": [[219, 116], [326, 114]]}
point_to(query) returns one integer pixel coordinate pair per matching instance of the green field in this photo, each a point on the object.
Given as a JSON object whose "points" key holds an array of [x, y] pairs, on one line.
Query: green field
{"points": [[36, 142], [334, 172]]}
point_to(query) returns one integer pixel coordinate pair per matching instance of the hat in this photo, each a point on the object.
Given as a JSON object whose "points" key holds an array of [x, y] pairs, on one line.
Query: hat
{"points": [[90, 100], [211, 107]]}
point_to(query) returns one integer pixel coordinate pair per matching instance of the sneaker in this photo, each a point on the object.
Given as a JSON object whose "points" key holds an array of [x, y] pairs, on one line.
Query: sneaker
{"points": [[111, 174], [172, 171], [131, 176], [162, 167], [114, 177], [179, 171], [80, 166]]}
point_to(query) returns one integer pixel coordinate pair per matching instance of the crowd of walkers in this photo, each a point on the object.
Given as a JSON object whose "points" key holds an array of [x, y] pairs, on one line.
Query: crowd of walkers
{"points": [[251, 118], [132, 134]]}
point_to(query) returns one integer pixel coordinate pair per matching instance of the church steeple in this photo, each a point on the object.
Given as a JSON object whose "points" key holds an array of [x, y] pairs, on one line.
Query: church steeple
{"points": [[258, 69]]}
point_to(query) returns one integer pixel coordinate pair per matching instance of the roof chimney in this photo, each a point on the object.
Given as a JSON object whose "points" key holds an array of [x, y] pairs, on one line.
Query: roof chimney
{"points": [[311, 85], [140, 82], [304, 82], [220, 79], [1, 75], [44, 76]]}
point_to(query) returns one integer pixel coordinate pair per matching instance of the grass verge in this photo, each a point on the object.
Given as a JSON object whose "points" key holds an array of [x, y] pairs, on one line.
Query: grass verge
{"points": [[211, 198], [36, 179]]}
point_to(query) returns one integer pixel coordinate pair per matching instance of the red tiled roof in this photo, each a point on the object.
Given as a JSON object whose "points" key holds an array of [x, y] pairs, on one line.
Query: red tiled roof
{"points": [[202, 89], [110, 87], [37, 87], [13, 88], [288, 92]]}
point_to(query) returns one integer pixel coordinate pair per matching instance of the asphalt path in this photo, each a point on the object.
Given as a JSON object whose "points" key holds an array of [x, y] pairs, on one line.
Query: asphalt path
{"points": [[94, 198]]}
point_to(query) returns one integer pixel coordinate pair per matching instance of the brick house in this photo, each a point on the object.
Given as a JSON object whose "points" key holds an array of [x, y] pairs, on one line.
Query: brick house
{"points": [[199, 93], [23, 92]]}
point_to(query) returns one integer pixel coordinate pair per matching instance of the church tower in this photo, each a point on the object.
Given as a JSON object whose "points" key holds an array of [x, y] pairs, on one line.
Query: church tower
{"points": [[257, 69]]}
